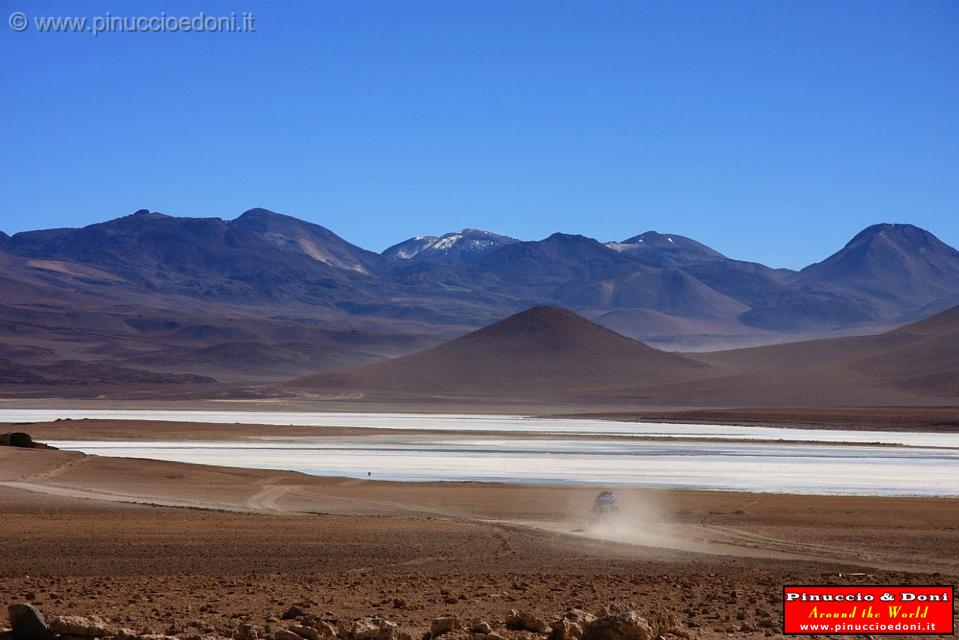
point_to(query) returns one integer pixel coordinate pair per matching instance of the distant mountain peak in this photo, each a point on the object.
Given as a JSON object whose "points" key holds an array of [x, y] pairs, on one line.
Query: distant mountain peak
{"points": [[146, 214], [651, 237], [906, 266], [265, 218], [560, 235], [464, 245], [868, 244], [264, 221], [890, 226], [409, 249], [897, 232], [312, 239], [665, 249], [260, 212]]}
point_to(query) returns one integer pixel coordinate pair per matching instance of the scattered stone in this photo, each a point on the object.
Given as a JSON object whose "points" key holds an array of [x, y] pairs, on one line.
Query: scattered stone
{"points": [[570, 626], [82, 626], [364, 630], [612, 623], [28, 623], [565, 629], [372, 628], [525, 621], [305, 632], [246, 631], [618, 625], [580, 616], [318, 630], [292, 613], [444, 624]]}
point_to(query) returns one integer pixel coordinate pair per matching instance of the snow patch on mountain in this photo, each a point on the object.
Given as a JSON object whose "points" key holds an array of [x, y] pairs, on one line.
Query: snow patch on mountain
{"points": [[467, 244]]}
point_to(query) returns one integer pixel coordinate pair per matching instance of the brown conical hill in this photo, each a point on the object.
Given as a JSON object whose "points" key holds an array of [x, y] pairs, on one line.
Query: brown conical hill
{"points": [[543, 351]]}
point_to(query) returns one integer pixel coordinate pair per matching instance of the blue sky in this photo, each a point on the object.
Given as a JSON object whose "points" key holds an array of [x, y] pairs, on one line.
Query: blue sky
{"points": [[770, 130]]}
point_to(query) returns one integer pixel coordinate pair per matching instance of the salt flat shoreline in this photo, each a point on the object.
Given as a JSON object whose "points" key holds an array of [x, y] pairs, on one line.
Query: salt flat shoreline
{"points": [[932, 419], [429, 448], [89, 429]]}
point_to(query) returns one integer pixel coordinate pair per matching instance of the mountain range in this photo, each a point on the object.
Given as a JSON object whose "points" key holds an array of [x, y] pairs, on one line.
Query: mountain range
{"points": [[233, 299]]}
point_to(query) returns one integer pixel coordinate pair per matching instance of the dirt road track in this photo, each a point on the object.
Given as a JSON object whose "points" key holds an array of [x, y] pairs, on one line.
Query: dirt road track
{"points": [[714, 523]]}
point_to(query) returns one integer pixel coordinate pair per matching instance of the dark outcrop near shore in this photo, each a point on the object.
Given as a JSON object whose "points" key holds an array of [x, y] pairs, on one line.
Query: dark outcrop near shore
{"points": [[22, 440]]}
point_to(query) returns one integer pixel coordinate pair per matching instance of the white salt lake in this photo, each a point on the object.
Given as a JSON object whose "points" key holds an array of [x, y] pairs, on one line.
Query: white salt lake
{"points": [[794, 468], [496, 423], [772, 459]]}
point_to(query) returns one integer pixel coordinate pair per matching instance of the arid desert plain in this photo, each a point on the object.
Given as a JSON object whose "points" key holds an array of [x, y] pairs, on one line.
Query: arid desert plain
{"points": [[197, 550]]}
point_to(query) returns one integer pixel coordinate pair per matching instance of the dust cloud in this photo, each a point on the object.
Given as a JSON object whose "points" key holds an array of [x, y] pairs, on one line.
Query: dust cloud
{"points": [[642, 520]]}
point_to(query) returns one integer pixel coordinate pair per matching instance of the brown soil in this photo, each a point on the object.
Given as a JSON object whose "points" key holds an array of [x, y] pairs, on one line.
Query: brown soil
{"points": [[81, 539]]}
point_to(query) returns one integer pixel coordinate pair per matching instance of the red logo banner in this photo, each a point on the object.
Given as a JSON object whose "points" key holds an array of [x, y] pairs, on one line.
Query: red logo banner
{"points": [[877, 609]]}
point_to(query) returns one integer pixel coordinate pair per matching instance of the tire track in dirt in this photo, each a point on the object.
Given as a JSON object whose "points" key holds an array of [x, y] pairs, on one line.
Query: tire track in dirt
{"points": [[268, 497], [106, 496], [273, 496]]}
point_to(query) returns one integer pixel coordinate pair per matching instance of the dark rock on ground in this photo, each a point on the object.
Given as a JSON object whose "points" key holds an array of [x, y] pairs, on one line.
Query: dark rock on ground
{"points": [[28, 623], [292, 613]]}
